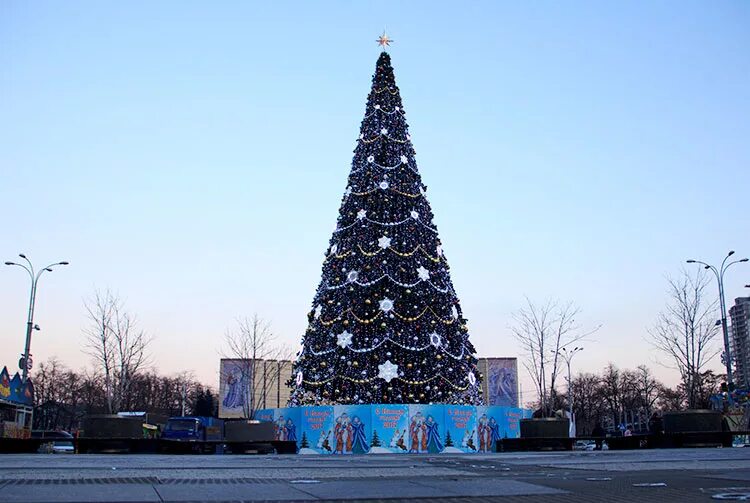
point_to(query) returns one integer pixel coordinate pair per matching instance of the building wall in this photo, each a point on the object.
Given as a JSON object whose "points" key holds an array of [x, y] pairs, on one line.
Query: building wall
{"points": [[265, 380], [499, 381], [739, 315]]}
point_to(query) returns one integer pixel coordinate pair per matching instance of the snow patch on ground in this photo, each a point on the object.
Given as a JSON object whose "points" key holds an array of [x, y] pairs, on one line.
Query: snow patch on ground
{"points": [[452, 450], [306, 450], [380, 450]]}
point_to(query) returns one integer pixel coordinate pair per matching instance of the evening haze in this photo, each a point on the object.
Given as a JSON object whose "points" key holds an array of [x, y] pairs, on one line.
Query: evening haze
{"points": [[193, 158]]}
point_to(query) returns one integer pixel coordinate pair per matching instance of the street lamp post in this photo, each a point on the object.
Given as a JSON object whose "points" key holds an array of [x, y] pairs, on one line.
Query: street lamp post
{"points": [[568, 356], [32, 300], [719, 273]]}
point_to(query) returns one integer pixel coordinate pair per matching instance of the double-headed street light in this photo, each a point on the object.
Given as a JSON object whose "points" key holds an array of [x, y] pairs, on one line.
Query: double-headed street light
{"points": [[568, 356], [30, 323], [719, 273]]}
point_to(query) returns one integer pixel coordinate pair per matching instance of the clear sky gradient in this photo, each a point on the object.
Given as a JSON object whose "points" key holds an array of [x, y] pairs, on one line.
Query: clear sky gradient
{"points": [[192, 158]]}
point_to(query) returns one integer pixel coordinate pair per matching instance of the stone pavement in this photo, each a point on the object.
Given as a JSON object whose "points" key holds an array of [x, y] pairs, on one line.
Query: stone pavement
{"points": [[655, 475]]}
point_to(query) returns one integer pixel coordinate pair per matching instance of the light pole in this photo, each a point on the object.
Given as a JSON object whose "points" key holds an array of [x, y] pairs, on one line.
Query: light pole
{"points": [[30, 323], [568, 356], [719, 273]]}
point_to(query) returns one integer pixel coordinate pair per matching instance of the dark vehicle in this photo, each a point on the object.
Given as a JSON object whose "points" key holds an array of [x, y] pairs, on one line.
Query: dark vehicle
{"points": [[198, 432], [196, 428], [125, 432], [54, 441]]}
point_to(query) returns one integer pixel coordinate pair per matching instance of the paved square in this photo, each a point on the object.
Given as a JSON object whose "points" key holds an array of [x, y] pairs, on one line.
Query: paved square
{"points": [[660, 476]]}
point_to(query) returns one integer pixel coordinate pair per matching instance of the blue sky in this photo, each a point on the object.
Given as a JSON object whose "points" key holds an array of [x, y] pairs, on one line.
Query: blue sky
{"points": [[192, 158]]}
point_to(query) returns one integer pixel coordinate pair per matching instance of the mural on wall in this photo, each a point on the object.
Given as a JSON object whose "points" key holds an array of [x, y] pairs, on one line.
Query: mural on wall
{"points": [[234, 388], [502, 382]]}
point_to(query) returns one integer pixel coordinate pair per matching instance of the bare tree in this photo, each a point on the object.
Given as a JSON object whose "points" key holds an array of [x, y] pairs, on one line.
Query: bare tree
{"points": [[647, 388], [258, 359], [543, 330], [685, 329], [117, 345]]}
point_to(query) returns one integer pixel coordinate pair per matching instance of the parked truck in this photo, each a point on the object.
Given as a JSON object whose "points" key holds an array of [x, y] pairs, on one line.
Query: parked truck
{"points": [[123, 432], [193, 434]]}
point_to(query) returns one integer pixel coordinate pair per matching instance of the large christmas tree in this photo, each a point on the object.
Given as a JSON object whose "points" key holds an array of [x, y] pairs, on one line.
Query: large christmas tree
{"points": [[386, 325]]}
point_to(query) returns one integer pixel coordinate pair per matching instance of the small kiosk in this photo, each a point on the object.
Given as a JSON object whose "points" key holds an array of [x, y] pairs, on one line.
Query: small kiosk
{"points": [[16, 406]]}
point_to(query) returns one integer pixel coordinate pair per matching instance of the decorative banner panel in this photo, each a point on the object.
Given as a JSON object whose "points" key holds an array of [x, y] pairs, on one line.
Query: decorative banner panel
{"points": [[461, 428], [390, 425], [265, 415], [316, 424], [352, 429], [395, 428], [287, 424], [426, 430]]}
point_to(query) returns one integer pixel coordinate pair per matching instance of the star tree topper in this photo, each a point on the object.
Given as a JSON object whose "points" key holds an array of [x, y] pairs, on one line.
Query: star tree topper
{"points": [[384, 41], [387, 371]]}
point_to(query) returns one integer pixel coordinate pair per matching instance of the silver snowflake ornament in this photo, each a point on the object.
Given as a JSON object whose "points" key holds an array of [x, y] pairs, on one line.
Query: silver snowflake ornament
{"points": [[344, 339], [404, 160], [384, 242], [361, 214], [423, 273], [386, 305], [387, 371]]}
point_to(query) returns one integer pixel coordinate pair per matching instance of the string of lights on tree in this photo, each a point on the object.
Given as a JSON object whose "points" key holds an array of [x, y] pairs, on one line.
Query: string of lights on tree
{"points": [[385, 325]]}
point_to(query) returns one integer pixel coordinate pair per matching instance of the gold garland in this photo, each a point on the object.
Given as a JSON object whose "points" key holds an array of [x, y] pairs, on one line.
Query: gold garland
{"points": [[361, 320], [335, 255], [364, 193], [375, 138], [367, 193], [371, 379], [400, 254], [413, 196], [406, 318], [366, 321]]}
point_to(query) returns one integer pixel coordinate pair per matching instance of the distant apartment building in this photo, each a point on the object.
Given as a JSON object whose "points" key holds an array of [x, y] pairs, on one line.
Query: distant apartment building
{"points": [[739, 315]]}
